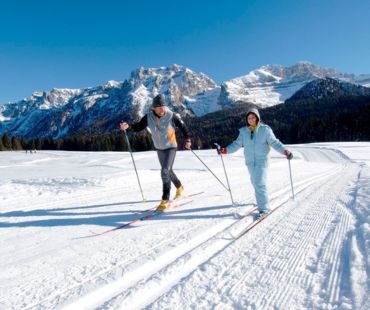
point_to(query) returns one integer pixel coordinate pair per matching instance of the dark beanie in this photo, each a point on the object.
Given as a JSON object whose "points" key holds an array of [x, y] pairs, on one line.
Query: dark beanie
{"points": [[158, 101]]}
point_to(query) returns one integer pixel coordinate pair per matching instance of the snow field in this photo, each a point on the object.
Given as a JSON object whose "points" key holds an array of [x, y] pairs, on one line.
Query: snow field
{"points": [[311, 253]]}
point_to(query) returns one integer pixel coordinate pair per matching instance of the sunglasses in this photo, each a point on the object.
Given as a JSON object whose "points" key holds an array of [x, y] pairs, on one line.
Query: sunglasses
{"points": [[252, 134]]}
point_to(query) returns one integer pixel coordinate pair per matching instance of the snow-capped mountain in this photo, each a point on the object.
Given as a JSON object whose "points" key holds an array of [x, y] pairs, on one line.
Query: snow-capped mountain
{"points": [[362, 79], [62, 112], [176, 84], [56, 113], [273, 84]]}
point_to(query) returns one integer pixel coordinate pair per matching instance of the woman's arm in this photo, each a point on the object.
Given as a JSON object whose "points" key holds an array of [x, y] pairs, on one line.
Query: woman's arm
{"points": [[236, 145]]}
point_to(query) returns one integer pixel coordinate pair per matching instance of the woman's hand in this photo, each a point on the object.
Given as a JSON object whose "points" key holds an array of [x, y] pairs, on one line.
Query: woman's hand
{"points": [[288, 154]]}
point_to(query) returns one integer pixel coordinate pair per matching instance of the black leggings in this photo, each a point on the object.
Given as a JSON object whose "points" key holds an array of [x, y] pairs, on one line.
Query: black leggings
{"points": [[166, 159]]}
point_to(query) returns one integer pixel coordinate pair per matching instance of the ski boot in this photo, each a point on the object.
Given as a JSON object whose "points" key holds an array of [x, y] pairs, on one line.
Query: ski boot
{"points": [[179, 192], [263, 214], [163, 205]]}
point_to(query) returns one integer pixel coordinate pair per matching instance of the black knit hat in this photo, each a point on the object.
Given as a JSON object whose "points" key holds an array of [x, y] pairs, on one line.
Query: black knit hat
{"points": [[158, 101]]}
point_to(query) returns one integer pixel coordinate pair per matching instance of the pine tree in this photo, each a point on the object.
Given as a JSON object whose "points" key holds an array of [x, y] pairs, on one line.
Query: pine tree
{"points": [[23, 143], [38, 144], [6, 142], [2, 147], [120, 144], [33, 144], [16, 145]]}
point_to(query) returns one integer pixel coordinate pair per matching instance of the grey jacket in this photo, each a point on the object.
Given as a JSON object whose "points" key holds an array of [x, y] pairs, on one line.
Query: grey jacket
{"points": [[162, 129], [163, 132]]}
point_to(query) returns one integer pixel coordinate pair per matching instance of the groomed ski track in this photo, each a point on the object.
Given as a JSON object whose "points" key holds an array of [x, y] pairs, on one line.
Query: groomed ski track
{"points": [[300, 257]]}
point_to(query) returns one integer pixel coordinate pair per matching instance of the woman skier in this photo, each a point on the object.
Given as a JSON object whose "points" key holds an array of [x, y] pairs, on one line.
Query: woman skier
{"points": [[256, 138]]}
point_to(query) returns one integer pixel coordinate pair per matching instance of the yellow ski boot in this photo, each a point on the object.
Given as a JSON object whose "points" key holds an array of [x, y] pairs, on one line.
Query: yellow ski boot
{"points": [[179, 192], [163, 205]]}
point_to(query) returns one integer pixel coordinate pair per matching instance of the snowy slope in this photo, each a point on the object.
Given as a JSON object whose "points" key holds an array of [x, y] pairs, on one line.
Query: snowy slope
{"points": [[204, 102], [63, 112], [273, 84], [363, 79], [312, 253]]}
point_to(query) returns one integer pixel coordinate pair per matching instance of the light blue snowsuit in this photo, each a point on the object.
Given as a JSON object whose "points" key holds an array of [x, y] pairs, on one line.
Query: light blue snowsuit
{"points": [[256, 150]]}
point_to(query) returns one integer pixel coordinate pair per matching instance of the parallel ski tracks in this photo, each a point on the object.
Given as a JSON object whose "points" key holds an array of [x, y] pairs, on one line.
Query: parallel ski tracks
{"points": [[295, 258], [294, 252], [105, 274], [292, 257], [194, 253]]}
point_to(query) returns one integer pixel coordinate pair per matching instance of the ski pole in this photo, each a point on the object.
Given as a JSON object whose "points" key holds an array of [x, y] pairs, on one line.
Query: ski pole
{"points": [[133, 161], [291, 179], [208, 169], [227, 179]]}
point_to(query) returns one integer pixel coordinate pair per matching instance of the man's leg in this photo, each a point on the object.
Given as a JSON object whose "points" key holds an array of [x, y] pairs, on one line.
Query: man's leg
{"points": [[166, 159], [175, 180]]}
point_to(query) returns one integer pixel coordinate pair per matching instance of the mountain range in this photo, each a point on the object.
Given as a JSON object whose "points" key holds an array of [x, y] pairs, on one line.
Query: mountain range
{"points": [[64, 112]]}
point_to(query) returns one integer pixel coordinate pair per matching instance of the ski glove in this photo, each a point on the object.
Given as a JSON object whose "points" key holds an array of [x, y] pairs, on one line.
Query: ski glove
{"points": [[222, 150], [288, 154]]}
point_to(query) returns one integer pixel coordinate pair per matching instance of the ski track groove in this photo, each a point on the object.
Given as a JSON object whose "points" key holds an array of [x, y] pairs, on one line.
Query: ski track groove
{"points": [[324, 222], [300, 186], [234, 221], [292, 258], [107, 273], [332, 259], [287, 190], [295, 259], [329, 256], [156, 272]]}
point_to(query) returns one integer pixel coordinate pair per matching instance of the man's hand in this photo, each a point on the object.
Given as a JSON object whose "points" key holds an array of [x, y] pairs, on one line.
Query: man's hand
{"points": [[187, 144], [123, 125]]}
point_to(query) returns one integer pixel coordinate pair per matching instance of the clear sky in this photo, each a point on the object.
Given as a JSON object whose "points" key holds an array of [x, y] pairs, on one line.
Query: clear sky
{"points": [[74, 43]]}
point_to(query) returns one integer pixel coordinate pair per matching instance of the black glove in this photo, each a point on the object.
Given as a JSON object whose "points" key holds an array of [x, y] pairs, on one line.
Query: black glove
{"points": [[288, 154]]}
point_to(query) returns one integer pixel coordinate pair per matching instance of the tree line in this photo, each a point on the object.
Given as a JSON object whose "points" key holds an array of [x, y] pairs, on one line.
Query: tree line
{"points": [[305, 120], [107, 142]]}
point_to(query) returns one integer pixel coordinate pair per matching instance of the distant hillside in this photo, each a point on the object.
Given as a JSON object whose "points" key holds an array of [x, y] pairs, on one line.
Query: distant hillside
{"points": [[309, 116], [62, 113], [323, 110]]}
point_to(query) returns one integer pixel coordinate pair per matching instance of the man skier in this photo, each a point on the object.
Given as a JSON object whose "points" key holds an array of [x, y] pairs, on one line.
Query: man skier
{"points": [[256, 138], [162, 121]]}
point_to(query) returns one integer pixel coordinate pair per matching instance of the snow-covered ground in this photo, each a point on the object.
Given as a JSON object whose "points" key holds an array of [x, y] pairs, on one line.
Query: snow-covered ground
{"points": [[312, 253]]}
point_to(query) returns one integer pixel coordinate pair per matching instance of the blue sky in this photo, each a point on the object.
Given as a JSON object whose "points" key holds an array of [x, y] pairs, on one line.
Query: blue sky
{"points": [[74, 44]]}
